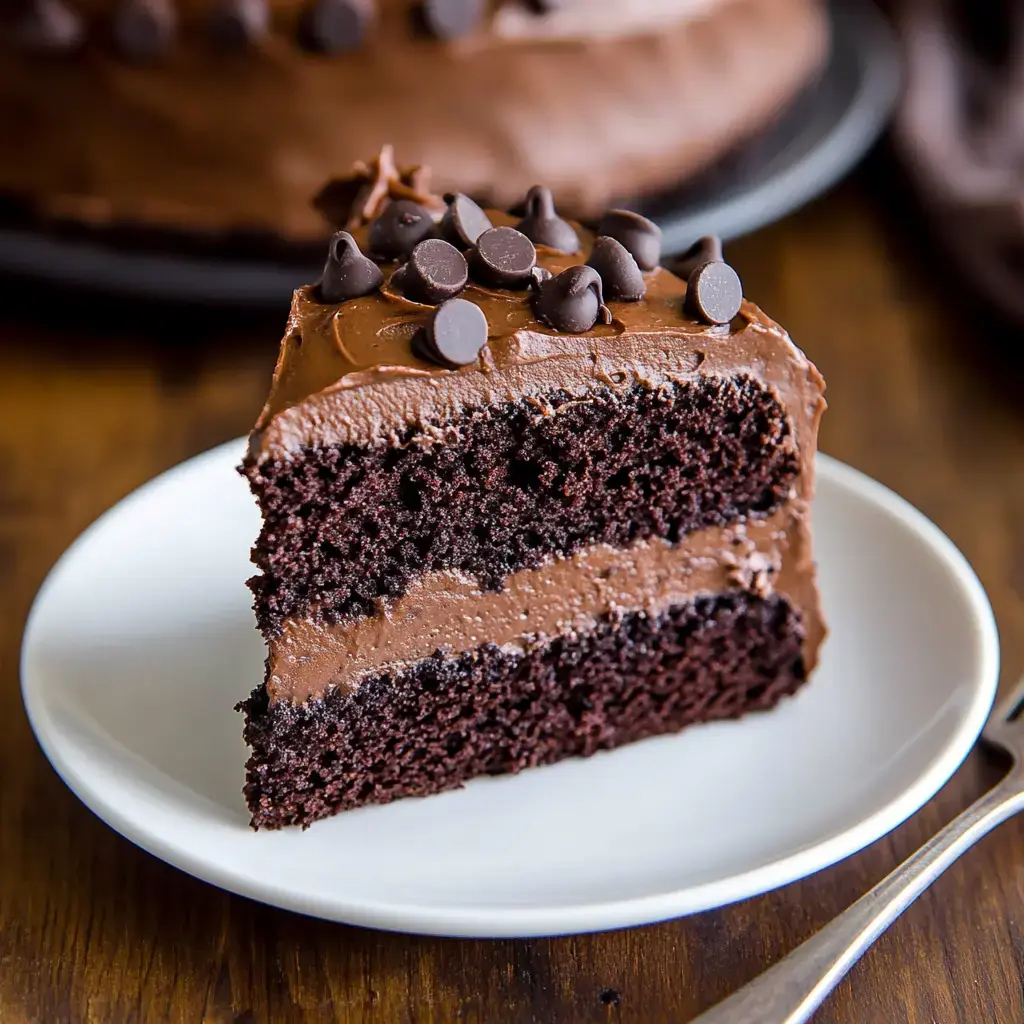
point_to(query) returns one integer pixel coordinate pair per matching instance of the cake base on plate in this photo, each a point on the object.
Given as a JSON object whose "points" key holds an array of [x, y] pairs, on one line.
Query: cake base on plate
{"points": [[493, 711]]}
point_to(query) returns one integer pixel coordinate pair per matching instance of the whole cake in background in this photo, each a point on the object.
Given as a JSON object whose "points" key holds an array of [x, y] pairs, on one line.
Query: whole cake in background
{"points": [[259, 101], [526, 495]]}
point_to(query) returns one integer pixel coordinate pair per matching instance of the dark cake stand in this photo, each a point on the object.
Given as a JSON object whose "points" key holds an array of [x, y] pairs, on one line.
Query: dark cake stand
{"points": [[815, 142]]}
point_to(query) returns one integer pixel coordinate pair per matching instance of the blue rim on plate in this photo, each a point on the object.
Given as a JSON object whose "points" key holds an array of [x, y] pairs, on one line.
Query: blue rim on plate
{"points": [[821, 137]]}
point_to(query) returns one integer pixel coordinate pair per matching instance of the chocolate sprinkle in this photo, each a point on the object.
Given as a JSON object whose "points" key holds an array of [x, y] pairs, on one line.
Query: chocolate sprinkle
{"points": [[713, 293], [449, 19], [704, 250], [504, 258], [543, 226], [235, 24], [640, 236], [399, 229], [455, 334], [620, 275], [464, 221], [436, 271], [348, 274], [335, 26], [49, 25], [573, 301], [143, 29]]}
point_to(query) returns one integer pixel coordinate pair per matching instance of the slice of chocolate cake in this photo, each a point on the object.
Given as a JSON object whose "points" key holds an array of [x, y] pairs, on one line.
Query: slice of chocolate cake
{"points": [[526, 495]]}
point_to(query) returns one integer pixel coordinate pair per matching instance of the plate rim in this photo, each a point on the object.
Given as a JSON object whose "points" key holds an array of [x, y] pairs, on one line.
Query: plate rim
{"points": [[505, 921]]}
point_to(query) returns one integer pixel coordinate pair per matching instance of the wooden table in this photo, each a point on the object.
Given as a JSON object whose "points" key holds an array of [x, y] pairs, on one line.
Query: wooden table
{"points": [[92, 929]]}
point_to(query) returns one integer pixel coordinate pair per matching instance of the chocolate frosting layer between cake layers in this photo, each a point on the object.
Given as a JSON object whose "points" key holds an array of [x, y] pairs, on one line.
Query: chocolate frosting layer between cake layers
{"points": [[450, 612]]}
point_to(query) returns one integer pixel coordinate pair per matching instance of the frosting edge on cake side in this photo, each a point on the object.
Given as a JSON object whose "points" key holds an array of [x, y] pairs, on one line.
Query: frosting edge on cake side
{"points": [[450, 612]]}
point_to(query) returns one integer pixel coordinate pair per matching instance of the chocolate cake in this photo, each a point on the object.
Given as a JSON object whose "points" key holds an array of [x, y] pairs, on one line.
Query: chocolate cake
{"points": [[259, 101], [526, 495]]}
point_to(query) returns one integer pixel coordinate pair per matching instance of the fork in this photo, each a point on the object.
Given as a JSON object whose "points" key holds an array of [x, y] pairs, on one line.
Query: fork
{"points": [[791, 990]]}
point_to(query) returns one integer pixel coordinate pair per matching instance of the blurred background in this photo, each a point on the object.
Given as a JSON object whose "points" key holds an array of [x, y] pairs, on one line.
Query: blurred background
{"points": [[158, 162]]}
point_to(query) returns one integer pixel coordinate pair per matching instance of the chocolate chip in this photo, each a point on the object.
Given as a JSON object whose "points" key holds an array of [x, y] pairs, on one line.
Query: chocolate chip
{"points": [[545, 6], [640, 236], [144, 29], [335, 26], [348, 274], [49, 25], [503, 258], [620, 275], [448, 19], [397, 280], [539, 275], [713, 293], [399, 229], [234, 24], [543, 226], [704, 250], [455, 334], [572, 301], [464, 221], [436, 271]]}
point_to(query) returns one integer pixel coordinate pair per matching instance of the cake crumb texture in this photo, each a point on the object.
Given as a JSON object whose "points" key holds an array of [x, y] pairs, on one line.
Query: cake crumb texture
{"points": [[433, 725], [511, 485]]}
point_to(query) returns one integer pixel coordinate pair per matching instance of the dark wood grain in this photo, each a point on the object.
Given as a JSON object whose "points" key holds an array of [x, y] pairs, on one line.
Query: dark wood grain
{"points": [[94, 401]]}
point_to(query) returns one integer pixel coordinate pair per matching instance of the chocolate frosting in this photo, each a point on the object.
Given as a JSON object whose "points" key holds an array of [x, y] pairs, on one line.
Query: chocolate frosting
{"points": [[254, 134], [349, 374], [449, 611]]}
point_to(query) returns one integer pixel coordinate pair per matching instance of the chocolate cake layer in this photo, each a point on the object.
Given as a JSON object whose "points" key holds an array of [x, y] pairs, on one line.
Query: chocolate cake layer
{"points": [[450, 611], [506, 486], [443, 720]]}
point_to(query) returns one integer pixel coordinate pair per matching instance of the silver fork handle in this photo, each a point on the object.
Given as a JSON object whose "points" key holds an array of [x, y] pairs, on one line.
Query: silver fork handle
{"points": [[791, 990]]}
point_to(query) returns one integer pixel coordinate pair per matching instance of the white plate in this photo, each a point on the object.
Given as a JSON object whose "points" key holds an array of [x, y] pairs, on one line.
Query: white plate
{"points": [[142, 639]]}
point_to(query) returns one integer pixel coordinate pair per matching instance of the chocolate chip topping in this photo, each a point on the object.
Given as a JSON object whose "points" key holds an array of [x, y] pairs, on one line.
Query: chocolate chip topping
{"points": [[396, 283], [436, 271], [335, 26], [622, 279], [399, 229], [543, 226], [234, 24], [573, 301], [456, 332], [504, 258], [704, 250], [713, 293], [143, 29], [348, 274], [48, 25], [448, 19], [640, 236], [464, 221]]}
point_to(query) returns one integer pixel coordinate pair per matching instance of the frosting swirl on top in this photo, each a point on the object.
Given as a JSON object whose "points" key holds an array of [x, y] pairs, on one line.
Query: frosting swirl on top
{"points": [[349, 373]]}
